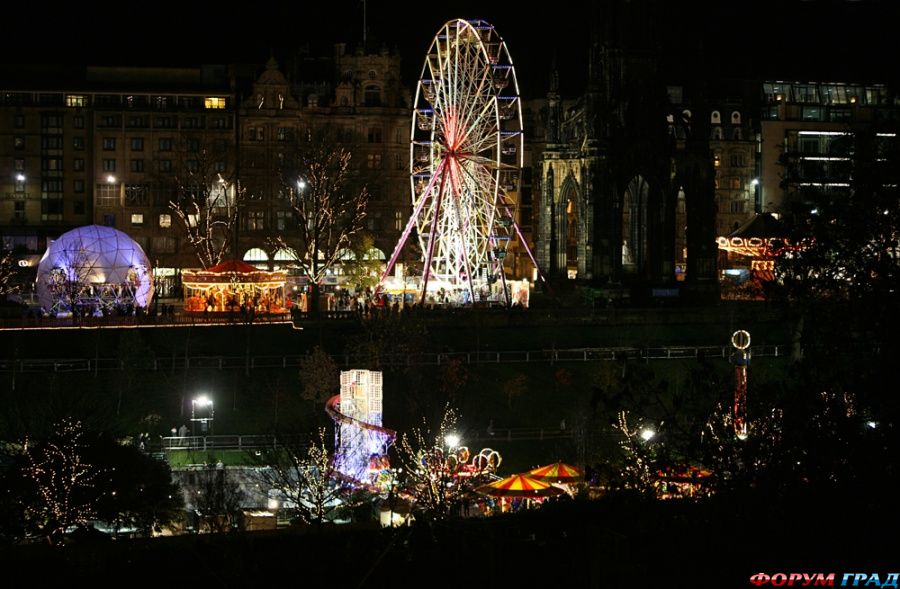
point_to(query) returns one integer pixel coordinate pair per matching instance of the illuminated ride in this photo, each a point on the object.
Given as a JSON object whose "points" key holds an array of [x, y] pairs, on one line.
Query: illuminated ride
{"points": [[361, 443], [465, 160], [741, 342]]}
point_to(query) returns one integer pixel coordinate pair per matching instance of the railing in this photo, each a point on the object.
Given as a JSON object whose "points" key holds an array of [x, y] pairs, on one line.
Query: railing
{"points": [[228, 442], [144, 320], [255, 442], [180, 362]]}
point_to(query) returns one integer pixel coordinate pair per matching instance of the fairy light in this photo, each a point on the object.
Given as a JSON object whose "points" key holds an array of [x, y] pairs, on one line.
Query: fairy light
{"points": [[438, 480], [60, 476]]}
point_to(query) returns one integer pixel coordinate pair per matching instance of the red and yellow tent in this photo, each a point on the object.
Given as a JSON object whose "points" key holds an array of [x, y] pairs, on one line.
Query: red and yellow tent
{"points": [[519, 485], [558, 472]]}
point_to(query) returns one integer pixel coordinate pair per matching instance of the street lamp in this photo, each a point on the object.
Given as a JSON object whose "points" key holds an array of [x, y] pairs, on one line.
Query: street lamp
{"points": [[647, 434], [202, 412], [110, 179]]}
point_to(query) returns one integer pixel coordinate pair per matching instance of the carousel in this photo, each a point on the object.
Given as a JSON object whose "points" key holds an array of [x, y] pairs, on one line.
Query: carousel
{"points": [[747, 257], [234, 286]]}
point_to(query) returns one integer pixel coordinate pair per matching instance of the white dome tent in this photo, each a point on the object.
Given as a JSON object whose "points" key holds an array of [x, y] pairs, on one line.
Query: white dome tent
{"points": [[93, 269]]}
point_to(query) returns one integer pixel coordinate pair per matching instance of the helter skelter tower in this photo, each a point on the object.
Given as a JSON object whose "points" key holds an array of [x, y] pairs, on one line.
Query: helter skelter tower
{"points": [[741, 358], [466, 149], [361, 443]]}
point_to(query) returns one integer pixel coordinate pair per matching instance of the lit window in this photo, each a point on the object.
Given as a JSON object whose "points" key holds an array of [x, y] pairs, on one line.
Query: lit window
{"points": [[137, 219], [214, 102], [76, 100], [255, 220], [374, 161], [165, 221], [107, 195]]}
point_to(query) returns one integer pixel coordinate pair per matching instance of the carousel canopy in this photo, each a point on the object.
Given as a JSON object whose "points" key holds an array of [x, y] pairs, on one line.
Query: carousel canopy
{"points": [[761, 236], [232, 271], [761, 225], [99, 258]]}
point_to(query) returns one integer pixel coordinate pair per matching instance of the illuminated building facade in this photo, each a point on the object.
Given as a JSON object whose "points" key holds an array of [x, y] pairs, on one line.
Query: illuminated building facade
{"points": [[815, 134], [105, 145], [100, 146]]}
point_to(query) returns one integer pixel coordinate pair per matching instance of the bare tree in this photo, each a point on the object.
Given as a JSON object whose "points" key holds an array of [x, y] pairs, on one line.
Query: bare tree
{"points": [[69, 283], [328, 205], [205, 199], [318, 374], [217, 498], [7, 274], [433, 474], [304, 475]]}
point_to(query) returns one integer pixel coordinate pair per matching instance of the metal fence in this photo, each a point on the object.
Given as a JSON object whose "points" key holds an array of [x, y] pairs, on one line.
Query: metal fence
{"points": [[552, 356]]}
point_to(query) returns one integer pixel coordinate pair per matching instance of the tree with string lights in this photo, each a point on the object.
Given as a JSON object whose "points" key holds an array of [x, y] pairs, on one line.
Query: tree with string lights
{"points": [[303, 473], [61, 480], [204, 198], [328, 203], [439, 475], [7, 274]]}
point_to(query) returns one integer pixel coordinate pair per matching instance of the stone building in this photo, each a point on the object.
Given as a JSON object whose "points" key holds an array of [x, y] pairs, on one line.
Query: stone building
{"points": [[626, 175]]}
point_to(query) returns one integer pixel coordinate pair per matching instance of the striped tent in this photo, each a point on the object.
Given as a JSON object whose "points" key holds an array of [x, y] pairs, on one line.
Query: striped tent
{"points": [[558, 472], [519, 485]]}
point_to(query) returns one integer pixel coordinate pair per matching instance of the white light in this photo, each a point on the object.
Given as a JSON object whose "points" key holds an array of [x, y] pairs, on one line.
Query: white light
{"points": [[755, 181], [20, 177], [647, 434], [814, 212], [111, 179], [273, 504], [203, 401], [301, 184], [885, 134], [452, 440], [819, 133], [871, 424]]}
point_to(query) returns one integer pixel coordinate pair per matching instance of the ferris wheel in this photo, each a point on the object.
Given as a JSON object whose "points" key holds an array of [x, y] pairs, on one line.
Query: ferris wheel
{"points": [[465, 160]]}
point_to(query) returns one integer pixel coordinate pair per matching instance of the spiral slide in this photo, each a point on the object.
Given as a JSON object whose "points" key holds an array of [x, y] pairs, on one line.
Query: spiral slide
{"points": [[361, 447]]}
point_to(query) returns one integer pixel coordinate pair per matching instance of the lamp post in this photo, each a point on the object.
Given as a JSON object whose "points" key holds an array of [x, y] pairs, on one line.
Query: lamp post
{"points": [[202, 412]]}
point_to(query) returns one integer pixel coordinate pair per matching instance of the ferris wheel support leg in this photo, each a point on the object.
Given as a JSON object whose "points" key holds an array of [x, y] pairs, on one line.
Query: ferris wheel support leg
{"points": [[434, 229], [505, 290], [409, 225], [530, 255]]}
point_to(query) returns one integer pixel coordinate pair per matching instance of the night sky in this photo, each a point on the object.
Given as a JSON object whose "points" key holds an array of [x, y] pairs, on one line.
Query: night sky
{"points": [[816, 39]]}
